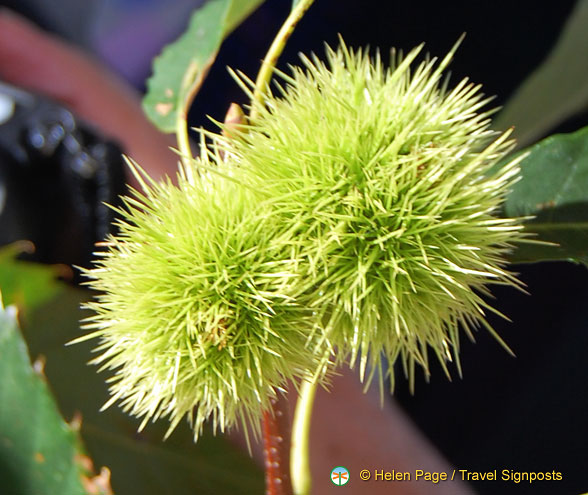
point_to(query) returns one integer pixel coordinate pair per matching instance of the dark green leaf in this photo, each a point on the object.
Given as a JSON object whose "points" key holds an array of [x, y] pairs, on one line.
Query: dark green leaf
{"points": [[182, 66], [24, 284], [554, 189], [39, 453], [141, 463], [557, 89]]}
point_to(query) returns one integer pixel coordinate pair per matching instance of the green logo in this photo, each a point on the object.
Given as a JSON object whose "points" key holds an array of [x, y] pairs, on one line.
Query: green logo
{"points": [[340, 476]]}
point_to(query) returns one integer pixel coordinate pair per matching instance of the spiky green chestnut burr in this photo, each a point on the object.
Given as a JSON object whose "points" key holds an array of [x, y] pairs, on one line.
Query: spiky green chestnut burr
{"points": [[194, 312], [383, 176]]}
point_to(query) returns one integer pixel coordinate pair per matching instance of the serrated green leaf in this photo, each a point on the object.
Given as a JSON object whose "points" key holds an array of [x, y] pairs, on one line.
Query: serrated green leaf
{"points": [[141, 463], [182, 66], [554, 189], [40, 454], [557, 89], [25, 284]]}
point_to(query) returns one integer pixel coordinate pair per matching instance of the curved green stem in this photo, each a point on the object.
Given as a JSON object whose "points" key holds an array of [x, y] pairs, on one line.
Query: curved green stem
{"points": [[274, 52], [191, 82], [299, 451], [182, 137]]}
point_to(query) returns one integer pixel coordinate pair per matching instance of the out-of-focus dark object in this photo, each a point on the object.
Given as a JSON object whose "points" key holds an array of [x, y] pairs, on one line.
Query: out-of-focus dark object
{"points": [[56, 177]]}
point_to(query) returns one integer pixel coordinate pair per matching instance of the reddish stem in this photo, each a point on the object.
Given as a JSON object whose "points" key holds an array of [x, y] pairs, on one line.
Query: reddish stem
{"points": [[276, 448]]}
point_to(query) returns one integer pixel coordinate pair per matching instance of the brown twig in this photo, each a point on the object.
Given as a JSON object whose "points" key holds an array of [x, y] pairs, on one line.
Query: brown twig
{"points": [[276, 448]]}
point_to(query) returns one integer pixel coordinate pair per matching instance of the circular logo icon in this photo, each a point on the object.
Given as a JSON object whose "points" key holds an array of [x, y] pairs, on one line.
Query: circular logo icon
{"points": [[340, 476]]}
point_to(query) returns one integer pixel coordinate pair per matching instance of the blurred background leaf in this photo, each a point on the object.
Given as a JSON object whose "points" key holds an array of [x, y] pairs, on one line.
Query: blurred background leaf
{"points": [[182, 66], [554, 189], [25, 284], [40, 454], [557, 89]]}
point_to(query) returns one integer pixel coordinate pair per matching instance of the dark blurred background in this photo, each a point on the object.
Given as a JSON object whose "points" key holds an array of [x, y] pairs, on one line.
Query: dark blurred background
{"points": [[527, 413]]}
